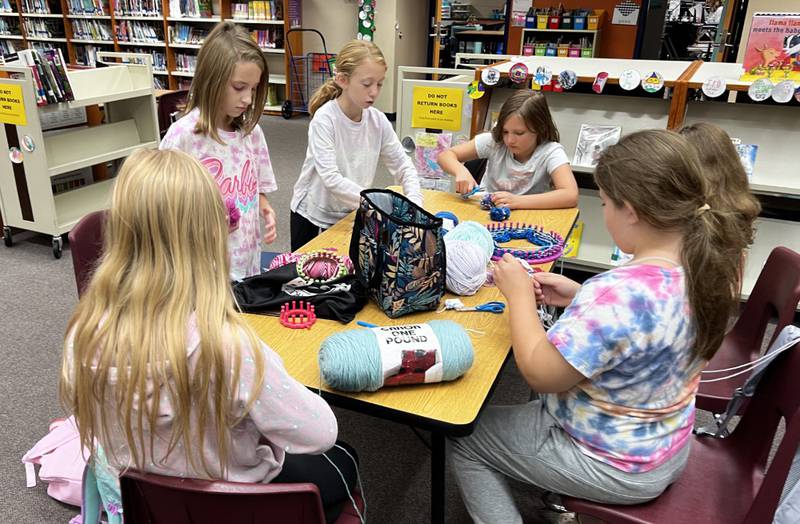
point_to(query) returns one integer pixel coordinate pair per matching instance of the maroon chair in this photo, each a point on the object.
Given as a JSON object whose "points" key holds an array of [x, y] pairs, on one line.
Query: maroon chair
{"points": [[170, 104], [776, 293], [727, 480], [86, 245], [156, 499]]}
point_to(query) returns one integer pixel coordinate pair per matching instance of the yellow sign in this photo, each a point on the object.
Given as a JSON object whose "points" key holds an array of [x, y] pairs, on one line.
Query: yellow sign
{"points": [[437, 108], [12, 108]]}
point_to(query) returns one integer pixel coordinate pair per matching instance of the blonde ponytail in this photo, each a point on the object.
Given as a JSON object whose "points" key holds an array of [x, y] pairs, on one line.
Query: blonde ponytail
{"points": [[353, 54], [330, 90]]}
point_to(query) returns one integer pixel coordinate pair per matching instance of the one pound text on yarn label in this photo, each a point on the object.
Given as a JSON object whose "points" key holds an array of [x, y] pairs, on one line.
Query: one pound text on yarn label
{"points": [[410, 354]]}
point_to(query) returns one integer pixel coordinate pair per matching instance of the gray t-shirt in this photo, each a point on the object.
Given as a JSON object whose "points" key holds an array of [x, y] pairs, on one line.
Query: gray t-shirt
{"points": [[504, 173]]}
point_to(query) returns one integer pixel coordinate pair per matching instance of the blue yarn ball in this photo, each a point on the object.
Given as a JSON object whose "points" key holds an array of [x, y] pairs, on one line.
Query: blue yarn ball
{"points": [[473, 232], [351, 360], [498, 214]]}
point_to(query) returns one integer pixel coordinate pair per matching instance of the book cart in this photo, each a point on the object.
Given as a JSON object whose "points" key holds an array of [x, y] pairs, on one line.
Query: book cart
{"points": [[26, 195], [170, 31], [772, 126]]}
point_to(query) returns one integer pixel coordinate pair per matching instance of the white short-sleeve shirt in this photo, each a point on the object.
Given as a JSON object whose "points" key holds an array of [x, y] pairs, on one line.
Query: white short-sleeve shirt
{"points": [[505, 173]]}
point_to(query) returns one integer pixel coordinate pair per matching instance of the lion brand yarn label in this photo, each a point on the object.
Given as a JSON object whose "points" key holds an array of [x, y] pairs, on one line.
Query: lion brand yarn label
{"points": [[410, 354]]}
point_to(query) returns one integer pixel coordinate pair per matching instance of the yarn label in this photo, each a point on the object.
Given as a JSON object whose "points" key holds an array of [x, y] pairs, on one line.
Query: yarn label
{"points": [[410, 354]]}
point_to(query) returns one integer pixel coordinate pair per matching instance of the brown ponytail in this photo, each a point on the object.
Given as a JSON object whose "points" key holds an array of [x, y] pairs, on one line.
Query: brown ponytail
{"points": [[723, 171], [658, 173], [330, 90], [352, 55]]}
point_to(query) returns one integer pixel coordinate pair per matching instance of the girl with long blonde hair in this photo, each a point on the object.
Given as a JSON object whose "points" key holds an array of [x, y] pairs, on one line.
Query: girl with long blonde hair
{"points": [[220, 129], [160, 370], [620, 368], [346, 137]]}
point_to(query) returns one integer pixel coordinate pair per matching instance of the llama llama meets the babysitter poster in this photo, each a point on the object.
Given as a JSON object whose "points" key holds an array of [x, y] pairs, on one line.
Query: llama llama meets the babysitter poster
{"points": [[773, 47]]}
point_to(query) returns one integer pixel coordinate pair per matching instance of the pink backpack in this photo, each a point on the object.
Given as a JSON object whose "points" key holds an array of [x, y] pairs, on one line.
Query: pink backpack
{"points": [[61, 461]]}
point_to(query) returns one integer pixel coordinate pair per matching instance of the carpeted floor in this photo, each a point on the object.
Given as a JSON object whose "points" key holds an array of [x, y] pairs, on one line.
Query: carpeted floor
{"points": [[37, 297]]}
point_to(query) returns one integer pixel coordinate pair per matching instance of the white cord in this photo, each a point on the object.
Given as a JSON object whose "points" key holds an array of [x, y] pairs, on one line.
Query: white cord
{"points": [[749, 364], [362, 518], [754, 364]]}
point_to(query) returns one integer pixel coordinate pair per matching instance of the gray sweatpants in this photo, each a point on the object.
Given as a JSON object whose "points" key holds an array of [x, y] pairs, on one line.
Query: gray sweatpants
{"points": [[526, 443]]}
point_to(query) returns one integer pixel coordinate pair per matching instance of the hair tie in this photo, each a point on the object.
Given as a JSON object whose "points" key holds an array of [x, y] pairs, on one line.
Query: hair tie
{"points": [[702, 209]]}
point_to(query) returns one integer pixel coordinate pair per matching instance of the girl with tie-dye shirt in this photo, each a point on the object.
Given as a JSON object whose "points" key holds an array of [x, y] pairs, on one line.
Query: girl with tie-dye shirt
{"points": [[220, 129], [619, 370]]}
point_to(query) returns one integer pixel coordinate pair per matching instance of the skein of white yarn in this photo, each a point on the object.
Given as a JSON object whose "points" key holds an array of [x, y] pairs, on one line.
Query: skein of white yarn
{"points": [[466, 266]]}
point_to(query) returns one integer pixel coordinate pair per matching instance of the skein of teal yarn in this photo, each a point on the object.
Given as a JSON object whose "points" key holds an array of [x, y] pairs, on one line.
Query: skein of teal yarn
{"points": [[473, 232], [351, 360]]}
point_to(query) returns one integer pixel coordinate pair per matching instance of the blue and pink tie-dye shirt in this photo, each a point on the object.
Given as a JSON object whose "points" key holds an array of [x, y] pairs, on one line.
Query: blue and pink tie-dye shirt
{"points": [[242, 170], [630, 332]]}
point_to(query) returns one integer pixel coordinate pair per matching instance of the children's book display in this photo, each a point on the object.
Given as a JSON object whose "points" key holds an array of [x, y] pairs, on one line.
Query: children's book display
{"points": [[426, 151], [773, 47], [592, 141], [747, 154]]}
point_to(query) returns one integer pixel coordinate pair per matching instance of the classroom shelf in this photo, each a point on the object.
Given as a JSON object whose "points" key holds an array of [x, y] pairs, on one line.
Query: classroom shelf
{"points": [[208, 20], [45, 39], [6, 13], [256, 22], [95, 42], [42, 15], [140, 18], [12, 37], [89, 17], [126, 93], [188, 74], [277, 79], [534, 30], [142, 44], [98, 144], [185, 46], [273, 50]]}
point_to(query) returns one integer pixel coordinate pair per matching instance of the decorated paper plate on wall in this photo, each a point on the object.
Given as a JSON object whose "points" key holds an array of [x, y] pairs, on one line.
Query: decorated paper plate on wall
{"points": [[475, 90], [567, 79], [783, 91], [714, 86], [490, 76], [518, 73], [653, 82], [630, 79], [542, 76], [760, 90]]}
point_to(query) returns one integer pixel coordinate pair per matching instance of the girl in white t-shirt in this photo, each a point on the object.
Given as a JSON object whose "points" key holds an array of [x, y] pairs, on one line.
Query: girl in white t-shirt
{"points": [[526, 166], [346, 137]]}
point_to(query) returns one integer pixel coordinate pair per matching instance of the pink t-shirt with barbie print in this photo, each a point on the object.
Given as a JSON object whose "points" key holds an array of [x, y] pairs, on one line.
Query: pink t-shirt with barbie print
{"points": [[629, 331], [242, 170]]}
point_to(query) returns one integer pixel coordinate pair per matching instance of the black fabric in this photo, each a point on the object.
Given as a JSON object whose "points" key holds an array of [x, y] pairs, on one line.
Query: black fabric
{"points": [[338, 299], [476, 168], [317, 470], [302, 230]]}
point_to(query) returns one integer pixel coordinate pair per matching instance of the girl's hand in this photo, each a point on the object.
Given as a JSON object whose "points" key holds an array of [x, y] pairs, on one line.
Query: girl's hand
{"points": [[511, 278], [464, 181], [553, 289], [270, 225], [504, 198]]}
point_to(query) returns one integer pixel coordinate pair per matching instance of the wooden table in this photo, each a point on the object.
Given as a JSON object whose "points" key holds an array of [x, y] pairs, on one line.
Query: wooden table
{"points": [[449, 408]]}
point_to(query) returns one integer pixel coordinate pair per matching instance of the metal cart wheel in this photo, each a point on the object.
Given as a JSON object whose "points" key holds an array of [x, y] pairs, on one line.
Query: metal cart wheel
{"points": [[287, 109], [58, 244], [7, 240]]}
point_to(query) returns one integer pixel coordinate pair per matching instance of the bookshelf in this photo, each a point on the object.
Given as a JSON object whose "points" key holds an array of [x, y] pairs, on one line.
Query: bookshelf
{"points": [[170, 31], [27, 198]]}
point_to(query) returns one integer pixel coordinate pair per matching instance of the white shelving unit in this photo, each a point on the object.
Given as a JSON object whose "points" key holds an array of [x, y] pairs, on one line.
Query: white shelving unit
{"points": [[26, 196], [775, 128]]}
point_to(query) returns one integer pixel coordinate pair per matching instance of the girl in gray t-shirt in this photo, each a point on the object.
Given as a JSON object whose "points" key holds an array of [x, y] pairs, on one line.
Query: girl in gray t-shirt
{"points": [[526, 166]]}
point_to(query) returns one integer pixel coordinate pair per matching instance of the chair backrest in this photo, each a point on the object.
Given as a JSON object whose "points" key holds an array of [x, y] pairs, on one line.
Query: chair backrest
{"points": [[777, 397], [775, 293], [169, 104], [86, 245], [155, 499]]}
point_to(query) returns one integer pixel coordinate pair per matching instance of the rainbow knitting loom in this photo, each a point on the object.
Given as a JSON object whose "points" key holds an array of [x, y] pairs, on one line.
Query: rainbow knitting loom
{"points": [[551, 245]]}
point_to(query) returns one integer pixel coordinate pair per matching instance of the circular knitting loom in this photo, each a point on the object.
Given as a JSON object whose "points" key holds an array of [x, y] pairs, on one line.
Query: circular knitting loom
{"points": [[322, 266], [551, 245]]}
